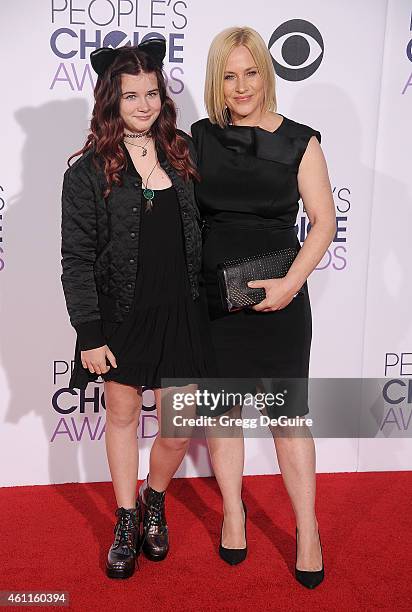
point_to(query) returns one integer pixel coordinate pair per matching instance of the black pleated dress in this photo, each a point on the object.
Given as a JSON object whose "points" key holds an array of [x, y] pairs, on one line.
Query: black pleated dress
{"points": [[249, 197], [165, 334]]}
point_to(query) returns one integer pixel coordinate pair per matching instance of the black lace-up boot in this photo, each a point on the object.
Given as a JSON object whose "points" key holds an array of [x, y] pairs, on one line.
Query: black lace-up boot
{"points": [[155, 539], [121, 559]]}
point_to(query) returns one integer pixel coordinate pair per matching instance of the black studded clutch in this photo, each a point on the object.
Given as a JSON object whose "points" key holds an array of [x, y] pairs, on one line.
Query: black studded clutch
{"points": [[234, 275]]}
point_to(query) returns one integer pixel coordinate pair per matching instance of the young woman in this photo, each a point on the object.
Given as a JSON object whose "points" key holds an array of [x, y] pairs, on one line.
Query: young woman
{"points": [[131, 255], [255, 165]]}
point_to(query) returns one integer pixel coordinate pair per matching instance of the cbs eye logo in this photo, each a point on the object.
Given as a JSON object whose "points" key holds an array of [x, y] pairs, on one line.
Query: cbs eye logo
{"points": [[297, 48]]}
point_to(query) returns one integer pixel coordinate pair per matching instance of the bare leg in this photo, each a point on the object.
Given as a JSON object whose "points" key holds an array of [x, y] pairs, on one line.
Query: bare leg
{"points": [[123, 406], [167, 453], [297, 462], [227, 457]]}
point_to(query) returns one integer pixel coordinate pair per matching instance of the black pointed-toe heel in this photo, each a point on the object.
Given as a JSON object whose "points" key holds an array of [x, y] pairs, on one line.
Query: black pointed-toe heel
{"points": [[233, 556], [310, 580]]}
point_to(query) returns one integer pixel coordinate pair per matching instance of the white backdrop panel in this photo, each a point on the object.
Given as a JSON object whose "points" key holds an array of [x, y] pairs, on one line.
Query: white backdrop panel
{"points": [[388, 328], [50, 435]]}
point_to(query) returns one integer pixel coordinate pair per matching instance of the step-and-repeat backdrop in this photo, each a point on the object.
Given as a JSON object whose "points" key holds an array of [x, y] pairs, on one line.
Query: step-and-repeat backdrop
{"points": [[345, 68]]}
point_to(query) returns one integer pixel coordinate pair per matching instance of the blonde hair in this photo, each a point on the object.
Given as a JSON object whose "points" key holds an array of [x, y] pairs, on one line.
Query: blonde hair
{"points": [[220, 49]]}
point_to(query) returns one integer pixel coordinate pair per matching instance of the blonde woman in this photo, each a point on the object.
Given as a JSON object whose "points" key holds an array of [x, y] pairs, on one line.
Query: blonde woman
{"points": [[255, 164]]}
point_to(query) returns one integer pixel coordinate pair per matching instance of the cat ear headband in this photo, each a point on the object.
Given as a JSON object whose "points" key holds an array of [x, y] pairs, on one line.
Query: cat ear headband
{"points": [[102, 58]]}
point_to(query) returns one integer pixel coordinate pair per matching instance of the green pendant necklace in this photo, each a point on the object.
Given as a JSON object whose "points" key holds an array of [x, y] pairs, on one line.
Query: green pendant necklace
{"points": [[148, 193]]}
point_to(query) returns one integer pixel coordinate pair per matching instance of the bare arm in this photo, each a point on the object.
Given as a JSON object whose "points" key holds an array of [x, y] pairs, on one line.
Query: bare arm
{"points": [[315, 190]]}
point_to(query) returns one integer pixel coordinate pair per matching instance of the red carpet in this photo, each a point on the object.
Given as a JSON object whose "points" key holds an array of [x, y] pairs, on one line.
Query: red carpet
{"points": [[56, 538]]}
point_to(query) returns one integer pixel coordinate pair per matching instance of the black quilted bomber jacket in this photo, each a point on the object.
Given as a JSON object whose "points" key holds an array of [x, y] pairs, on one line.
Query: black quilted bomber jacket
{"points": [[100, 244]]}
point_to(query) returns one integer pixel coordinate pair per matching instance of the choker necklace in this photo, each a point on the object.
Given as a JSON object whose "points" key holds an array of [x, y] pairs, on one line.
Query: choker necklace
{"points": [[138, 134], [143, 146]]}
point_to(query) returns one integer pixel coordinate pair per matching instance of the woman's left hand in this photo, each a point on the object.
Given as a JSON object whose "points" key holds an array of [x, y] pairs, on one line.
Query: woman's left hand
{"points": [[279, 294]]}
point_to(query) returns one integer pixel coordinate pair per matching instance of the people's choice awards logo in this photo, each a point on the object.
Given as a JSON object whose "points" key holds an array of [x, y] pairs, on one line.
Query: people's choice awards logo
{"points": [[81, 413], [397, 392], [408, 83], [297, 48], [77, 31], [337, 255]]}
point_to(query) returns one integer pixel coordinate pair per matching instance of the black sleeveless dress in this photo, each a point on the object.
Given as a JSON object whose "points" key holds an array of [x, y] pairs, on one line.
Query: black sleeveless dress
{"points": [[166, 333], [248, 197]]}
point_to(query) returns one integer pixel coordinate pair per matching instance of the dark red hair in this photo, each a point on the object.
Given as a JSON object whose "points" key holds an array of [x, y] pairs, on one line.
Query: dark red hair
{"points": [[107, 127]]}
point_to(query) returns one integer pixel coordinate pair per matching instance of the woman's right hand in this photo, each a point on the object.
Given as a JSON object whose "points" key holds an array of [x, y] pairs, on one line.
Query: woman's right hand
{"points": [[94, 360]]}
